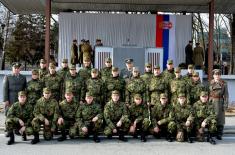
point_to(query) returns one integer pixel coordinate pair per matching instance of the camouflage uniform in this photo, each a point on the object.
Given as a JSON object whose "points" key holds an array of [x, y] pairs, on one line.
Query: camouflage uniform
{"points": [[106, 72], [84, 116], [181, 114], [63, 72], [42, 73], [204, 112], [68, 112], [219, 100], [45, 109], [77, 85], [114, 112], [34, 89], [84, 73], [114, 83], [146, 77], [168, 75]]}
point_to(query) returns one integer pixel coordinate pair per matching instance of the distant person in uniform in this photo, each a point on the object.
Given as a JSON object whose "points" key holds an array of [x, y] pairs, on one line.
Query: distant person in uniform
{"points": [[126, 73], [74, 53], [198, 56], [189, 53]]}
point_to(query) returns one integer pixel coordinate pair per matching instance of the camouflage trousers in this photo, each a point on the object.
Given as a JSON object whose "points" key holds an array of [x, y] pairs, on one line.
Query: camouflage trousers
{"points": [[124, 127], [47, 129], [155, 97], [143, 125], [211, 126], [164, 129], [70, 125], [12, 124], [93, 127]]}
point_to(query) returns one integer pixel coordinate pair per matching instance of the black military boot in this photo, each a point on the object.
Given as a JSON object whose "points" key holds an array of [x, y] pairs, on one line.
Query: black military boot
{"points": [[189, 138], [219, 134], [211, 139], [12, 138], [24, 137], [96, 138], [122, 137], [169, 137], [109, 136], [36, 139], [143, 138], [62, 137]]}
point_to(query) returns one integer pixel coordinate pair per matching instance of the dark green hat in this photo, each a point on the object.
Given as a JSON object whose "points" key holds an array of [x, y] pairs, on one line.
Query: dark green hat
{"points": [[217, 71], [169, 62], [65, 61], [156, 67], [94, 70], [21, 93], [115, 92], [108, 60], [87, 59], [52, 65], [43, 61], [35, 72], [72, 67], [68, 91], [148, 65], [89, 94], [115, 69], [46, 90], [128, 60], [177, 70], [181, 95], [195, 74], [190, 66], [204, 93], [163, 95], [137, 96], [16, 64]]}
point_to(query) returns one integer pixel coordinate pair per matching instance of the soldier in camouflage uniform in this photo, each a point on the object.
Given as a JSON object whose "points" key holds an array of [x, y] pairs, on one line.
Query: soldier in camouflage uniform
{"points": [[139, 117], [168, 73], [89, 118], [106, 72], [126, 73], [116, 117], [219, 98], [135, 86], [189, 74], [54, 82], [156, 86], [19, 117], [85, 71], [64, 70], [205, 117], [161, 120], [45, 113], [146, 77], [178, 85], [34, 88], [76, 84], [196, 87], [43, 69], [182, 114], [66, 116], [114, 83], [95, 86]]}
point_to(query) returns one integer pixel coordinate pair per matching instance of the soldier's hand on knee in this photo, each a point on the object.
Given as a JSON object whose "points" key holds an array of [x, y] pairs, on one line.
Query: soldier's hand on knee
{"points": [[159, 123], [201, 130], [156, 129], [132, 129], [22, 130], [60, 121], [188, 123], [95, 119], [119, 123], [21, 122], [46, 122], [203, 125], [84, 129], [114, 130]]}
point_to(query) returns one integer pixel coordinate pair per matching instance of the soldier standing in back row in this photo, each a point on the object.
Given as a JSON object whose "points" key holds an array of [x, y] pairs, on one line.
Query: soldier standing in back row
{"points": [[106, 72], [219, 98], [64, 70], [85, 71], [42, 71], [126, 73], [148, 74], [168, 73]]}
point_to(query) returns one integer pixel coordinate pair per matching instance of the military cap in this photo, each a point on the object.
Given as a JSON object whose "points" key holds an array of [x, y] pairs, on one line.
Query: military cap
{"points": [[108, 60], [148, 65], [181, 95], [83, 40], [156, 67], [115, 92], [16, 64], [86, 59], [21, 93], [71, 67], [163, 95], [137, 96], [204, 93], [98, 39], [68, 91], [51, 65], [177, 70], [46, 90], [217, 71], [136, 69], [43, 61], [89, 94], [190, 66], [128, 60], [169, 62], [195, 74], [65, 61], [94, 70], [115, 69], [35, 72]]}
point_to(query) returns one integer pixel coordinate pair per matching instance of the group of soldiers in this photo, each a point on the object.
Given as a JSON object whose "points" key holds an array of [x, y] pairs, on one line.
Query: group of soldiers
{"points": [[88, 102]]}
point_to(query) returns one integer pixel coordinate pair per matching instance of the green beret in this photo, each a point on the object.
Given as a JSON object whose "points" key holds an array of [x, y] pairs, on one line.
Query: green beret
{"points": [[156, 67], [108, 60], [89, 94], [148, 65], [217, 71], [65, 61], [181, 95], [21, 93], [16, 64], [115, 69], [72, 67], [169, 62], [115, 92], [204, 93], [177, 70], [190, 66], [163, 95], [46, 90], [195, 74], [128, 60], [137, 96], [35, 72], [43, 61], [68, 91]]}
